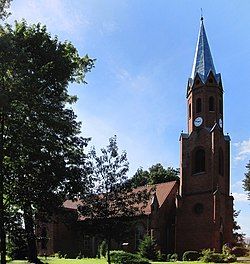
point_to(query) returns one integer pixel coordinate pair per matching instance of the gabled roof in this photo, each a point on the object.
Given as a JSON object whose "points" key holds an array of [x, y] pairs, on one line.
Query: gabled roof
{"points": [[162, 191], [203, 61]]}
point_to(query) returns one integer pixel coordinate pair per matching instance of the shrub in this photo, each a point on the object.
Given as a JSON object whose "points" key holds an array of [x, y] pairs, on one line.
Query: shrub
{"points": [[161, 256], [174, 257], [211, 256], [190, 256], [169, 257], [147, 248], [103, 248], [231, 258], [80, 255], [239, 251], [59, 254], [122, 257]]}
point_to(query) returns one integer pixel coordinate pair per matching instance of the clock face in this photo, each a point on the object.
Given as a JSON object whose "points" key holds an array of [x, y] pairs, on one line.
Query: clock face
{"points": [[198, 121], [220, 123]]}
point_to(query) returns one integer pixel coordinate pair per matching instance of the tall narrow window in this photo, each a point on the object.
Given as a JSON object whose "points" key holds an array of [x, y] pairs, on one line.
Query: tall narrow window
{"points": [[211, 103], [199, 161], [220, 106], [221, 162], [198, 105], [189, 111], [44, 238], [140, 232]]}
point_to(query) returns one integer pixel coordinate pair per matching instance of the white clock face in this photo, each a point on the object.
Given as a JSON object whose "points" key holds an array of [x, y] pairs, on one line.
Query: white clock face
{"points": [[220, 123], [198, 121]]}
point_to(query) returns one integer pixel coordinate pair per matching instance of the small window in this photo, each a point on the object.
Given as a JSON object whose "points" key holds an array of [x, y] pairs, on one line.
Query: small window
{"points": [[211, 103], [199, 161], [198, 105], [189, 111]]}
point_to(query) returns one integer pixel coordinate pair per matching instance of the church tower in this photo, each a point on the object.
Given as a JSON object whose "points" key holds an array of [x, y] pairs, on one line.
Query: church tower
{"points": [[204, 205]]}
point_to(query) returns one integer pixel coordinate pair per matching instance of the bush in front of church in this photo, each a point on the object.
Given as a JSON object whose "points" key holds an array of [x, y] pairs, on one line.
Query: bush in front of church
{"points": [[122, 257], [209, 255], [239, 251], [191, 256]]}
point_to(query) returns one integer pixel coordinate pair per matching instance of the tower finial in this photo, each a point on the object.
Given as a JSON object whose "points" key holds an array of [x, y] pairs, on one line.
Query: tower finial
{"points": [[201, 14]]}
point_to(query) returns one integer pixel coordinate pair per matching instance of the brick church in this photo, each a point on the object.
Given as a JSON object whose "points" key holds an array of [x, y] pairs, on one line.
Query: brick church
{"points": [[194, 213]]}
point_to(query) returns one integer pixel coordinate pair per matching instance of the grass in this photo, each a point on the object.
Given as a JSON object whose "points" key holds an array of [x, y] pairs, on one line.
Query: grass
{"points": [[101, 261], [65, 261], [81, 261]]}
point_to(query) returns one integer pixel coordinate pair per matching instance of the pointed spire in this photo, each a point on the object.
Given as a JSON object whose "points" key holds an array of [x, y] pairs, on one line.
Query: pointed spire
{"points": [[203, 61]]}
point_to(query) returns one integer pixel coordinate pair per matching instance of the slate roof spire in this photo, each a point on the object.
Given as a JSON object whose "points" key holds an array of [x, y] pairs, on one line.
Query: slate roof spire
{"points": [[203, 61]]}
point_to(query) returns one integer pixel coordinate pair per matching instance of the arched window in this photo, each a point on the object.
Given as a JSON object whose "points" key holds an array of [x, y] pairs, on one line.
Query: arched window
{"points": [[198, 105], [221, 162], [211, 103], [199, 160]]}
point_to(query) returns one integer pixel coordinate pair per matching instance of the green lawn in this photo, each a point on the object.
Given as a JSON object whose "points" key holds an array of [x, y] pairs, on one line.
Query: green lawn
{"points": [[83, 261], [102, 261], [65, 261]]}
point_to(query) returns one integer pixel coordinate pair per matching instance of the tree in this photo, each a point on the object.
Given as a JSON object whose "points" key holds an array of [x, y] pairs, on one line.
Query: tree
{"points": [[155, 174], [110, 204], [43, 155], [238, 237], [4, 4], [246, 181], [148, 248]]}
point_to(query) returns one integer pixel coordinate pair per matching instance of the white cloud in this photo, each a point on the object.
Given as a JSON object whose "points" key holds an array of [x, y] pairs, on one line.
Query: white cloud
{"points": [[138, 82], [56, 14], [240, 197], [243, 150]]}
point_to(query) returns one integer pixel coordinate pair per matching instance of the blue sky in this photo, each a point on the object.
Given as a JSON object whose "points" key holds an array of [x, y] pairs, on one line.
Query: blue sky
{"points": [[144, 51]]}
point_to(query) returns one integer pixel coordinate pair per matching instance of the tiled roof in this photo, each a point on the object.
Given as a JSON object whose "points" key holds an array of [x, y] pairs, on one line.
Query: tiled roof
{"points": [[162, 191]]}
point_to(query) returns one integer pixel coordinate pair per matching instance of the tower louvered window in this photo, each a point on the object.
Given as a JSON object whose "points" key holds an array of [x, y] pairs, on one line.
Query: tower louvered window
{"points": [[198, 105], [211, 103]]}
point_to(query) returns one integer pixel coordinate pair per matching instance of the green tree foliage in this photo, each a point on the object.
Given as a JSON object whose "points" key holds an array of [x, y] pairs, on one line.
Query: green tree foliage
{"points": [[155, 174], [237, 236], [246, 181], [147, 248], [4, 4], [43, 154], [110, 204], [17, 244], [103, 248]]}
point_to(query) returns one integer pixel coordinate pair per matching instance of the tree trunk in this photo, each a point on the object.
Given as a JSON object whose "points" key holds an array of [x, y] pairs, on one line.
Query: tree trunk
{"points": [[31, 239], [109, 246], [2, 224], [2, 234]]}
